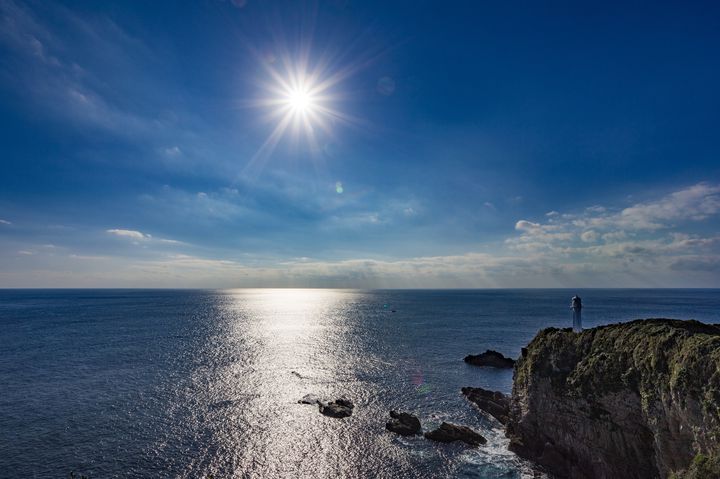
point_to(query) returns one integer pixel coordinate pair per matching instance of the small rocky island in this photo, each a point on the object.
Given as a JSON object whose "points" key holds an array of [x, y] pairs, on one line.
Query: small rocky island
{"points": [[491, 359], [451, 432], [340, 408], [404, 423], [631, 400]]}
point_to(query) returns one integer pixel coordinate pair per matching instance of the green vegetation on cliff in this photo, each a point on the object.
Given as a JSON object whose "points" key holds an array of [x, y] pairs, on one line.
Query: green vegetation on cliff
{"points": [[636, 355], [658, 377], [702, 467]]}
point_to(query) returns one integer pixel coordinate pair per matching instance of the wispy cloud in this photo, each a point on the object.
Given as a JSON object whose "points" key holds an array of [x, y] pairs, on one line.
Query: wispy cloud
{"points": [[129, 234], [598, 223], [592, 247], [51, 71], [5, 222], [694, 203], [652, 235], [140, 236]]}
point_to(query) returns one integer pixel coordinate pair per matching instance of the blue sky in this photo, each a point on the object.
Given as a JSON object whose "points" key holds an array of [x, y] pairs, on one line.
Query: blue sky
{"points": [[460, 144]]}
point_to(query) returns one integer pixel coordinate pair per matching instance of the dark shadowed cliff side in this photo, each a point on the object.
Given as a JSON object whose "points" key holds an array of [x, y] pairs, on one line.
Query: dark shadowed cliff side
{"points": [[631, 400]]}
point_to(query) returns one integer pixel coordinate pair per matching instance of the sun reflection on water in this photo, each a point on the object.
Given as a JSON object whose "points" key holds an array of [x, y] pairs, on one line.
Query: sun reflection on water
{"points": [[262, 350], [292, 337]]}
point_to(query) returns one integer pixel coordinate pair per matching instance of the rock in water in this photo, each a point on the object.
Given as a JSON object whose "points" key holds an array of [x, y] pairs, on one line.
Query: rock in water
{"points": [[450, 432], [633, 400], [493, 402], [490, 358], [403, 423], [339, 408], [309, 399]]}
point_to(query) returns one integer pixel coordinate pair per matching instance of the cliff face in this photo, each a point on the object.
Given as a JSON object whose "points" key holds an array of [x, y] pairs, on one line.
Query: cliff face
{"points": [[631, 400]]}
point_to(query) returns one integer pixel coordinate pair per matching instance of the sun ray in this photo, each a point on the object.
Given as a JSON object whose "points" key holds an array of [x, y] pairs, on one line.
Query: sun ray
{"points": [[301, 94]]}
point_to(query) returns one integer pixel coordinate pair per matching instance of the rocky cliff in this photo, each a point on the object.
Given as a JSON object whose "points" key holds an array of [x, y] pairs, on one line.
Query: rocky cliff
{"points": [[632, 400]]}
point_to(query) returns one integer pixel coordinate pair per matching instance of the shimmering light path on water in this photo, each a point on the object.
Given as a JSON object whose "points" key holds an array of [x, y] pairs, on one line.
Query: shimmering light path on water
{"points": [[190, 383]]}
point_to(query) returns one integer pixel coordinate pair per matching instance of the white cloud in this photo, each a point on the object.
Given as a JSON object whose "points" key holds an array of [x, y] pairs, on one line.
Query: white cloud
{"points": [[589, 236], [172, 151], [614, 236], [5, 222], [169, 241], [88, 257], [560, 250], [524, 225], [140, 238], [652, 235], [596, 209], [695, 203], [128, 234], [536, 236]]}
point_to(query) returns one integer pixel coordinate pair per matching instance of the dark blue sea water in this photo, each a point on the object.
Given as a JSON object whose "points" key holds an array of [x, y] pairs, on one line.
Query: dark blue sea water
{"points": [[118, 383]]}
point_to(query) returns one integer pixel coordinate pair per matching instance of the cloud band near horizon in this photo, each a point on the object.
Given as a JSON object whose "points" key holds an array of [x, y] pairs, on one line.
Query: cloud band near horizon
{"points": [[649, 243]]}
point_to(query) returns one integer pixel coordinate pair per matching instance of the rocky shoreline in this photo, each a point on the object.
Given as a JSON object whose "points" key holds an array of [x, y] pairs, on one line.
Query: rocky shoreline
{"points": [[631, 400], [402, 423], [495, 403]]}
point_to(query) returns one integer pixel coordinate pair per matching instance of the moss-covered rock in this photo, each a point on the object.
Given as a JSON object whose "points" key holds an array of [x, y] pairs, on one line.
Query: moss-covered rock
{"points": [[638, 399]]}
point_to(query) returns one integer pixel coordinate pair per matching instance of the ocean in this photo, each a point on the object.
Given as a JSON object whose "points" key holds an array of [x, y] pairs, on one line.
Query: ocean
{"points": [[198, 383]]}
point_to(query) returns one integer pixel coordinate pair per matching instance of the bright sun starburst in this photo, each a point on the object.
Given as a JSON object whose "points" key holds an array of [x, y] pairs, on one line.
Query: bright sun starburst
{"points": [[301, 100]]}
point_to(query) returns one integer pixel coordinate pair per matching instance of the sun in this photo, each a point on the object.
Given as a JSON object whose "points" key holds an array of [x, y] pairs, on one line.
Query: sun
{"points": [[301, 101], [300, 98]]}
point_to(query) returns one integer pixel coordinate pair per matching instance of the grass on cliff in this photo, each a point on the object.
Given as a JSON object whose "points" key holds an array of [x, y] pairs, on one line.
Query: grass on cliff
{"points": [[702, 467], [637, 355]]}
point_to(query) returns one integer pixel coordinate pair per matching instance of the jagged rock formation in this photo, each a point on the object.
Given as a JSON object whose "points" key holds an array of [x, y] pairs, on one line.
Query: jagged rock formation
{"points": [[494, 403], [633, 400], [403, 423], [450, 433], [310, 399], [339, 408], [490, 358]]}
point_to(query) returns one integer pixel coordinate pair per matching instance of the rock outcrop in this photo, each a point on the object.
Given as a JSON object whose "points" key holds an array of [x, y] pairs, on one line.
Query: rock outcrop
{"points": [[450, 433], [339, 408], [404, 424], [490, 358], [494, 403], [309, 399], [633, 400]]}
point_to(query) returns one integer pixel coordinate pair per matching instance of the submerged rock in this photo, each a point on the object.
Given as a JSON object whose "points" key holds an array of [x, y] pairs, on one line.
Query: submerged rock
{"points": [[450, 432], [633, 400], [339, 408], [494, 403], [490, 358], [403, 423]]}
